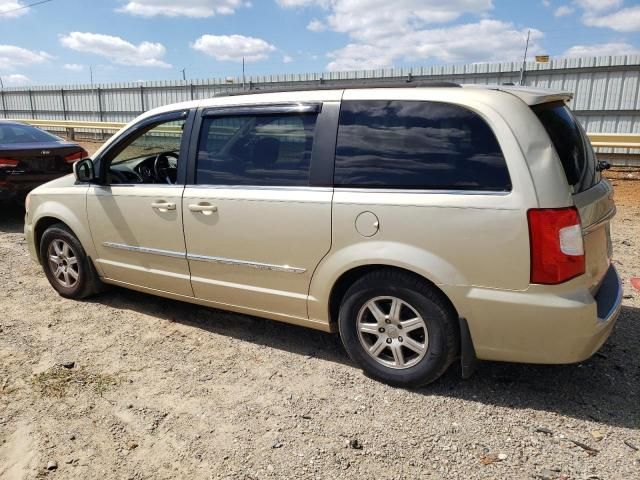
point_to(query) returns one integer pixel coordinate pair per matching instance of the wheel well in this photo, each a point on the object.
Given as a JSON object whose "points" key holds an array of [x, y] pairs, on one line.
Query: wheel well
{"points": [[349, 277], [41, 227]]}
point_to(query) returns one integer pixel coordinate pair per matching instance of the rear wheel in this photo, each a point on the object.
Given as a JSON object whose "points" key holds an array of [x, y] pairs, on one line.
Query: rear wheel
{"points": [[398, 328], [66, 265]]}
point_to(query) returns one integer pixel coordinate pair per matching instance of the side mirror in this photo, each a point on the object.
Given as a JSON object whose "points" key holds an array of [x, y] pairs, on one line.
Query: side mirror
{"points": [[84, 170]]}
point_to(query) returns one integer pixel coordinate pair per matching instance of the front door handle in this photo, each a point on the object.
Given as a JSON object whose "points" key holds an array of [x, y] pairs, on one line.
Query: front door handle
{"points": [[204, 208], [163, 206]]}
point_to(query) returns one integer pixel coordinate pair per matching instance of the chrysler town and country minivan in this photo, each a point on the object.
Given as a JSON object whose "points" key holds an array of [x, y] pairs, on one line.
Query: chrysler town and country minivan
{"points": [[423, 224]]}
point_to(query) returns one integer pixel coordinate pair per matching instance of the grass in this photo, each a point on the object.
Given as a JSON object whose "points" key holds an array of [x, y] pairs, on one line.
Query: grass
{"points": [[57, 381]]}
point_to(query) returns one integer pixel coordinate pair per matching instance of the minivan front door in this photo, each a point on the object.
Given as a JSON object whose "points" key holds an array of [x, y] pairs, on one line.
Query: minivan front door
{"points": [[136, 214], [255, 225]]}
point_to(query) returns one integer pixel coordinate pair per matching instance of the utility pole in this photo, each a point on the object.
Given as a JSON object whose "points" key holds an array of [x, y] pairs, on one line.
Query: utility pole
{"points": [[242, 73], [524, 61]]}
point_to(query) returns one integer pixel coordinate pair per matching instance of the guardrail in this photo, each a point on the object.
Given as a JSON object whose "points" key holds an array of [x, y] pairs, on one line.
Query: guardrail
{"points": [[598, 140]]}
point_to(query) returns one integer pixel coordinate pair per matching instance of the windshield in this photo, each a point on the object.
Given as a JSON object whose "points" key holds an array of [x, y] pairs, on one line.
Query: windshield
{"points": [[18, 133], [571, 143]]}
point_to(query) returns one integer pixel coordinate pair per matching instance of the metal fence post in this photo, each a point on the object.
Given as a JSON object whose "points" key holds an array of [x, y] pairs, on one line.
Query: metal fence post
{"points": [[4, 105], [142, 98], [64, 104], [191, 89], [100, 112], [33, 113]]}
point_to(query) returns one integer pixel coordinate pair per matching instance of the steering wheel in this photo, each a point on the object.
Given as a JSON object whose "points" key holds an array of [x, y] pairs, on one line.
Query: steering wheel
{"points": [[163, 170]]}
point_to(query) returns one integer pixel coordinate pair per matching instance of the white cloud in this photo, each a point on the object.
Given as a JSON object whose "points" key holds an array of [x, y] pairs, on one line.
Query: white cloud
{"points": [[563, 11], [302, 3], [10, 7], [15, 80], [12, 56], [487, 40], [316, 25], [287, 59], [384, 32], [182, 8], [625, 20], [372, 18], [602, 49], [73, 67], [546, 3], [598, 5], [233, 47], [116, 49]]}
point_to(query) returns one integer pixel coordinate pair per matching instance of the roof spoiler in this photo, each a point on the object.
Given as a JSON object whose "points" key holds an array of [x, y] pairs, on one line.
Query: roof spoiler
{"points": [[530, 95]]}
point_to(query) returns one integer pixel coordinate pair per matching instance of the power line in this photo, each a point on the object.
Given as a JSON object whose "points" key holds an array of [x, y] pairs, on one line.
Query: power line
{"points": [[34, 4]]}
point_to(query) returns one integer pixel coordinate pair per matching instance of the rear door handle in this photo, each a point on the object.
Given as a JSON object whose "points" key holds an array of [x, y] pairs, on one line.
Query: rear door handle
{"points": [[163, 206], [204, 208]]}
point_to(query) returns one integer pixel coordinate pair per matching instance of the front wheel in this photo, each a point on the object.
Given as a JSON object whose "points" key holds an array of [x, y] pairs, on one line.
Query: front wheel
{"points": [[398, 328], [66, 264]]}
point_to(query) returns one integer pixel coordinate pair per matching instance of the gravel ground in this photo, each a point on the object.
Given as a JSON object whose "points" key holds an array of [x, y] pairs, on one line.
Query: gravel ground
{"points": [[159, 389]]}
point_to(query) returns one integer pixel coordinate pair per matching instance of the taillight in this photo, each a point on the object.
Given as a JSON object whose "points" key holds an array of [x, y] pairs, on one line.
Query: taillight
{"points": [[557, 248], [8, 163], [79, 155]]}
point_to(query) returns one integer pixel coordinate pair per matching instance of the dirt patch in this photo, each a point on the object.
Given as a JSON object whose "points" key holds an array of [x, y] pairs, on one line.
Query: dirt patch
{"points": [[161, 389]]}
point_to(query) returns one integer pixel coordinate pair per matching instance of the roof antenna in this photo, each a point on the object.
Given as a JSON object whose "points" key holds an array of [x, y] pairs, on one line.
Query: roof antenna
{"points": [[524, 61]]}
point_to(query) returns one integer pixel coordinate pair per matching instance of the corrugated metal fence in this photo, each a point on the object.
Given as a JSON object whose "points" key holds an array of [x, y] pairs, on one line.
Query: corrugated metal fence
{"points": [[606, 90]]}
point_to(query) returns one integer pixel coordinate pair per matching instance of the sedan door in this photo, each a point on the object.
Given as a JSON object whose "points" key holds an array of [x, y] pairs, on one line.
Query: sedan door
{"points": [[257, 214], [136, 214]]}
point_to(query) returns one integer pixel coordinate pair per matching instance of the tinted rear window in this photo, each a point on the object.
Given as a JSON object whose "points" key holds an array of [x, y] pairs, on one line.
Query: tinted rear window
{"points": [[14, 133], [417, 145], [571, 144], [263, 150]]}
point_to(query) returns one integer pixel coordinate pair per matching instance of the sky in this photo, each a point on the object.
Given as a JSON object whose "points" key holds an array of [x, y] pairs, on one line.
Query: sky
{"points": [[60, 41]]}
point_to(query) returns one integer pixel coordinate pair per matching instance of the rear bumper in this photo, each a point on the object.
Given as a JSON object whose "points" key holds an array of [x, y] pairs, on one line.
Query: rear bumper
{"points": [[541, 325]]}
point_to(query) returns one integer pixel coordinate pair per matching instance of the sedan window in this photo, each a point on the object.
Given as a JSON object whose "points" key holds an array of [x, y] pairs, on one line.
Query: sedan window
{"points": [[13, 133]]}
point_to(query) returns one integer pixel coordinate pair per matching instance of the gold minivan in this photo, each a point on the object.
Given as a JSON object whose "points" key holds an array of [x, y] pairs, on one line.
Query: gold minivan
{"points": [[424, 224]]}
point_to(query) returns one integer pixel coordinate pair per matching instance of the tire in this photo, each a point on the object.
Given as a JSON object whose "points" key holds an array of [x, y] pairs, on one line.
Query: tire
{"points": [[409, 314], [78, 279]]}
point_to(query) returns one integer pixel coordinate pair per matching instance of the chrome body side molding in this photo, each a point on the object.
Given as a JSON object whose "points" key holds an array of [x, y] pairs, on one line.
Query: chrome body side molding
{"points": [[244, 263], [153, 251], [206, 258]]}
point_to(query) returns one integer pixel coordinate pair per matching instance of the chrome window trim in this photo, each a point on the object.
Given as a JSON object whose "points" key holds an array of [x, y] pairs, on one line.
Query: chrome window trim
{"points": [[405, 191], [263, 109], [144, 185], [280, 188], [206, 258]]}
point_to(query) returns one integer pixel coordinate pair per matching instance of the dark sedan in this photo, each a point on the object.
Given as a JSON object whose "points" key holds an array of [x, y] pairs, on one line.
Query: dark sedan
{"points": [[30, 157]]}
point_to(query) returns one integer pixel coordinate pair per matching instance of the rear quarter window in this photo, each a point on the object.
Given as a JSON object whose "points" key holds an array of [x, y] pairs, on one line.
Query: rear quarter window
{"points": [[417, 145], [571, 143]]}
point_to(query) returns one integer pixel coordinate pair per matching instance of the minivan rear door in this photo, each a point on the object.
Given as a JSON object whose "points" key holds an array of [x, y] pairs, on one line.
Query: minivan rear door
{"points": [[256, 219], [592, 194]]}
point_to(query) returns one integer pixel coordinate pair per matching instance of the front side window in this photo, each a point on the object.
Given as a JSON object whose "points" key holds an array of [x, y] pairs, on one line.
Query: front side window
{"points": [[260, 150], [151, 156], [417, 145]]}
